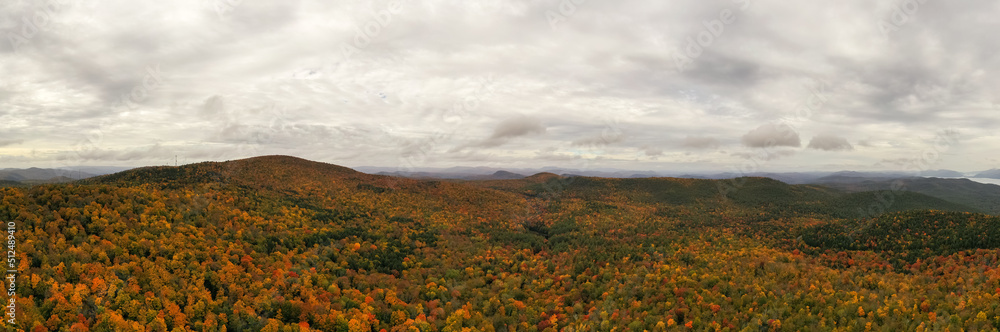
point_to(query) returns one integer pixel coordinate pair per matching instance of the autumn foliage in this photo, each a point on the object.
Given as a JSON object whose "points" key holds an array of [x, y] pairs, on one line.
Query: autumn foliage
{"points": [[284, 244]]}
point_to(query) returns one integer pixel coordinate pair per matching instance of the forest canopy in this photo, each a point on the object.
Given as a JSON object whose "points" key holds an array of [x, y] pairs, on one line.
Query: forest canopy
{"points": [[284, 244]]}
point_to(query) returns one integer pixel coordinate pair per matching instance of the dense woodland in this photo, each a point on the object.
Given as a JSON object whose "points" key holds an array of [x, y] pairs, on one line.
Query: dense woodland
{"points": [[284, 244]]}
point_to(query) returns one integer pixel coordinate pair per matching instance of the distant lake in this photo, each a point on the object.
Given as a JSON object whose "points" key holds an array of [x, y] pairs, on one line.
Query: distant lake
{"points": [[986, 180], [980, 180]]}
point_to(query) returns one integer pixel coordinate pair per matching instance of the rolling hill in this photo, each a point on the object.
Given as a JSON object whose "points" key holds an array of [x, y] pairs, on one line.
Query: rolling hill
{"points": [[280, 243], [979, 196], [775, 197]]}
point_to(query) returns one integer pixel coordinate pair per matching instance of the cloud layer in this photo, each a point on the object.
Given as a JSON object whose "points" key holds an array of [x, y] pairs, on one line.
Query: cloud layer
{"points": [[829, 142], [524, 83]]}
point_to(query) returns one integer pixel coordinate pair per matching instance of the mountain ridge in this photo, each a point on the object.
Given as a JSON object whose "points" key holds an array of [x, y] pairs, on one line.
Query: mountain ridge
{"points": [[989, 174], [293, 174]]}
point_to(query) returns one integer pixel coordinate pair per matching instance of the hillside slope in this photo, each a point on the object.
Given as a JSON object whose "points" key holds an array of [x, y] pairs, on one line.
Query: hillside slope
{"points": [[775, 198], [284, 244], [980, 196], [919, 233], [267, 171]]}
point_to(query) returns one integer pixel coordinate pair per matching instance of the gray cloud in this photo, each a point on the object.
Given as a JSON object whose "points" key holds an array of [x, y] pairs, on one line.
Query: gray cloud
{"points": [[518, 126], [5, 142], [507, 130], [652, 151], [140, 152], [899, 162], [770, 135], [600, 140], [828, 142], [765, 155]]}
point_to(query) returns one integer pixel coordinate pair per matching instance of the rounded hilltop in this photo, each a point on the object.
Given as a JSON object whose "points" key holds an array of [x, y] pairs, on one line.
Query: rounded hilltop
{"points": [[274, 170]]}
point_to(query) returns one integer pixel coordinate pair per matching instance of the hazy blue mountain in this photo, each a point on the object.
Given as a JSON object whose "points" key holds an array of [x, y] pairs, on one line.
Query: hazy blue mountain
{"points": [[942, 173], [502, 175], [992, 174], [35, 174]]}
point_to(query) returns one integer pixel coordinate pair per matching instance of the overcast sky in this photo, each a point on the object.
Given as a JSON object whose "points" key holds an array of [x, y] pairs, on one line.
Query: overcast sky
{"points": [[647, 85]]}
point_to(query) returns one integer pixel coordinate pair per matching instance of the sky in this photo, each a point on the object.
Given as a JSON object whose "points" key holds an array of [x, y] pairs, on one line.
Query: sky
{"points": [[729, 85]]}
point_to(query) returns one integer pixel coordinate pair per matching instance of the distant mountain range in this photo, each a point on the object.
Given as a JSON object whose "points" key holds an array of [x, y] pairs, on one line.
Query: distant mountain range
{"points": [[983, 197], [41, 175], [473, 173], [846, 195], [481, 173], [504, 175], [942, 173], [990, 174], [34, 175], [945, 189]]}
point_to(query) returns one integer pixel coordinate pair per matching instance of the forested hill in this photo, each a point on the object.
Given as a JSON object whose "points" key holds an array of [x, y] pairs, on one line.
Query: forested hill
{"points": [[982, 196], [284, 244], [278, 172], [774, 197]]}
